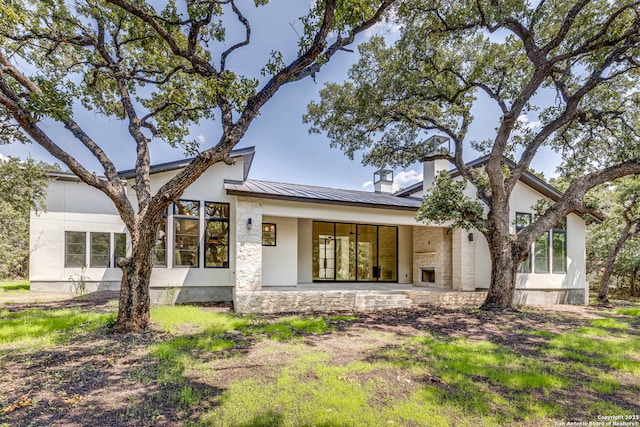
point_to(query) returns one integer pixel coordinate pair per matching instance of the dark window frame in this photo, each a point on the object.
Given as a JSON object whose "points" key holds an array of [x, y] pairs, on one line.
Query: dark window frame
{"points": [[66, 249], [376, 267], [175, 208], [165, 218], [196, 219], [559, 229], [115, 247], [220, 219], [275, 233], [546, 236], [92, 263], [525, 266]]}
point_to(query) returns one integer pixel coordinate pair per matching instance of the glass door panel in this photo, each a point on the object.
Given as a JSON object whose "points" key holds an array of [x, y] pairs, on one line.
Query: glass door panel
{"points": [[345, 252], [367, 256], [388, 253], [354, 252], [323, 251]]}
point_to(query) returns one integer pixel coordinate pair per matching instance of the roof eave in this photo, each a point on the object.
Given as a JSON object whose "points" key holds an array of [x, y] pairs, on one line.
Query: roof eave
{"points": [[248, 153], [233, 192]]}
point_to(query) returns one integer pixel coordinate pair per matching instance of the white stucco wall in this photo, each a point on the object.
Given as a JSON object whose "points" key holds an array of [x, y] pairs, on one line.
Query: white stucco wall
{"points": [[74, 206], [325, 212], [305, 249], [71, 206], [278, 262], [482, 266], [405, 254]]}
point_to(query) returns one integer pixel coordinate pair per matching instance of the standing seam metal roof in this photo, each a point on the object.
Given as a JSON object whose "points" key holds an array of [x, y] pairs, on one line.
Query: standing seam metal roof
{"points": [[314, 194]]}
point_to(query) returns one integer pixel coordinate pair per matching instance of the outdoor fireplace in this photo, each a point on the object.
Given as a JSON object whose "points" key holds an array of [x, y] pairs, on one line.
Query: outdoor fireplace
{"points": [[428, 274]]}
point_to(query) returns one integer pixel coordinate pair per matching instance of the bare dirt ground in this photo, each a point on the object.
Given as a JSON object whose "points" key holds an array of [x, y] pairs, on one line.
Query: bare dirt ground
{"points": [[99, 378]]}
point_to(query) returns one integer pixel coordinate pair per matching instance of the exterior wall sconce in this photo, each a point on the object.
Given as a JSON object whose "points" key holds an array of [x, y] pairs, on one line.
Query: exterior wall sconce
{"points": [[471, 237], [249, 224]]}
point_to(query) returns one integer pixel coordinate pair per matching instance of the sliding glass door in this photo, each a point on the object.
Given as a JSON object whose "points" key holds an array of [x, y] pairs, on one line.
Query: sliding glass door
{"points": [[354, 252], [345, 252], [324, 261]]}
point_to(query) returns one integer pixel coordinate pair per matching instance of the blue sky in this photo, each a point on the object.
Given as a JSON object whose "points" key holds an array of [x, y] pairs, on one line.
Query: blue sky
{"points": [[285, 151]]}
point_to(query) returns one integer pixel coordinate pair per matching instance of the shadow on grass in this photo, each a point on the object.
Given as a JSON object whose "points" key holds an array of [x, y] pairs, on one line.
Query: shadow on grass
{"points": [[103, 301], [576, 374], [98, 378]]}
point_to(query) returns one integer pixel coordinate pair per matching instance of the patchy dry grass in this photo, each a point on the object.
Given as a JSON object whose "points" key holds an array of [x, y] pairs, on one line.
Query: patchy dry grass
{"points": [[14, 286], [206, 366]]}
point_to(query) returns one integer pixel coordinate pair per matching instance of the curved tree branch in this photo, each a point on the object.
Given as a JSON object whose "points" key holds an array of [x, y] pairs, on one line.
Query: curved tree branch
{"points": [[247, 39]]}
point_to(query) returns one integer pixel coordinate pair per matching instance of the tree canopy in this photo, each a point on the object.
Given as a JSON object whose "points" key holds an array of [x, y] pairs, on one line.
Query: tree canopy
{"points": [[559, 74], [613, 246], [157, 68], [22, 188]]}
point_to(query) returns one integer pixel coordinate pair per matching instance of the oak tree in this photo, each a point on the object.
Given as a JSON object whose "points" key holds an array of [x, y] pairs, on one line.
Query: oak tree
{"points": [[614, 242], [158, 68], [23, 185], [560, 74]]}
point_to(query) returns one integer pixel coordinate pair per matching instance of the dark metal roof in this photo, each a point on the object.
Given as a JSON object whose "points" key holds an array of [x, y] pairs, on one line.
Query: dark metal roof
{"points": [[68, 176], [527, 178], [63, 176], [247, 153], [313, 194]]}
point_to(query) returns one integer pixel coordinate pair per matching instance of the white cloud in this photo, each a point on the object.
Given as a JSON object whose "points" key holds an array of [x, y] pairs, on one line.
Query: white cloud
{"points": [[526, 124], [404, 179], [200, 139], [368, 185], [389, 29]]}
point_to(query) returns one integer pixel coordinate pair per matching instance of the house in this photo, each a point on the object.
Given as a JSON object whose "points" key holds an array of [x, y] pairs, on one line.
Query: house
{"points": [[271, 246]]}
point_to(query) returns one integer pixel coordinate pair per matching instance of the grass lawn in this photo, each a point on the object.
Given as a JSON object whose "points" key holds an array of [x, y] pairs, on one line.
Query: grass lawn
{"points": [[206, 366], [14, 286]]}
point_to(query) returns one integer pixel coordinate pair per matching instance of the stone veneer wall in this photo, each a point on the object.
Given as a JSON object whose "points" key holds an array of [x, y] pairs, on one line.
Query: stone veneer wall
{"points": [[463, 260], [282, 302], [248, 245], [304, 301], [432, 248]]}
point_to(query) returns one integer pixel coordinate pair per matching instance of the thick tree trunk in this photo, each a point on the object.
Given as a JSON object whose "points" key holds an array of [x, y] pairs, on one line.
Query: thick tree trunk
{"points": [[503, 276], [632, 286], [135, 301], [133, 309], [603, 295]]}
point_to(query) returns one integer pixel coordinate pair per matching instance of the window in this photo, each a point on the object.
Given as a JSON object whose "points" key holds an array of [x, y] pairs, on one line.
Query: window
{"points": [[559, 246], [268, 234], [75, 249], [160, 246], [553, 243], [354, 252], [523, 220], [186, 232], [541, 254], [120, 244], [217, 235], [100, 249]]}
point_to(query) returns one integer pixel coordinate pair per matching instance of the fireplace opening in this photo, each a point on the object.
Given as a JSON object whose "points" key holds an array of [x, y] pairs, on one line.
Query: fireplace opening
{"points": [[428, 274]]}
